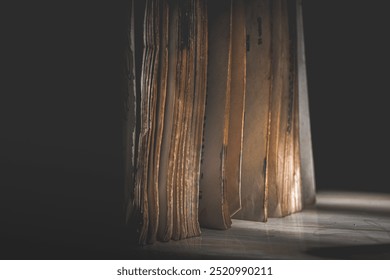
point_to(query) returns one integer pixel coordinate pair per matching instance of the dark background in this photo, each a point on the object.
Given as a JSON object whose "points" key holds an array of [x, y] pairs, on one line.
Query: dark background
{"points": [[347, 53], [61, 162]]}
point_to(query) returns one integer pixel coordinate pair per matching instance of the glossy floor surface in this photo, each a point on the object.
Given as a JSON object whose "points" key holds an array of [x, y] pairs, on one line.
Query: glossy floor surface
{"points": [[341, 226]]}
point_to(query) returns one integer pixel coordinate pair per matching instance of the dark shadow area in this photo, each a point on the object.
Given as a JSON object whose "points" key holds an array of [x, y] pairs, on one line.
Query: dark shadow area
{"points": [[158, 255], [347, 57], [63, 201], [61, 183], [354, 209], [368, 189], [358, 252]]}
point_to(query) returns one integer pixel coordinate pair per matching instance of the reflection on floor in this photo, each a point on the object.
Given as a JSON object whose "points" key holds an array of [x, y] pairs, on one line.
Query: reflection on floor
{"points": [[341, 226]]}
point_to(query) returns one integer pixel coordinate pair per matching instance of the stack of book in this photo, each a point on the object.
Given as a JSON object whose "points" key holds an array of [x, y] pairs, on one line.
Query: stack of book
{"points": [[215, 98]]}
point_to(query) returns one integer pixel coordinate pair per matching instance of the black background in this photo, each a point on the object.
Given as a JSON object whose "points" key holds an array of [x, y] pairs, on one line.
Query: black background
{"points": [[347, 65], [61, 162]]}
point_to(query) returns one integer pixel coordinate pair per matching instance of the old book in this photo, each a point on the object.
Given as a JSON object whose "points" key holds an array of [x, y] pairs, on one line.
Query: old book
{"points": [[195, 139], [306, 150], [295, 198], [168, 54], [258, 90], [283, 163], [213, 208], [160, 89], [172, 100], [130, 116], [221, 162], [237, 107], [278, 159]]}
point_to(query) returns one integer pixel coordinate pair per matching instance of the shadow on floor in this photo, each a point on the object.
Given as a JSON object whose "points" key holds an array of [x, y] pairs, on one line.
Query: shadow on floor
{"points": [[354, 209], [357, 252]]}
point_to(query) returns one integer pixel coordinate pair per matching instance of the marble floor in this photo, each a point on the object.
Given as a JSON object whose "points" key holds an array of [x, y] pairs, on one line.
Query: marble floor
{"points": [[342, 225]]}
